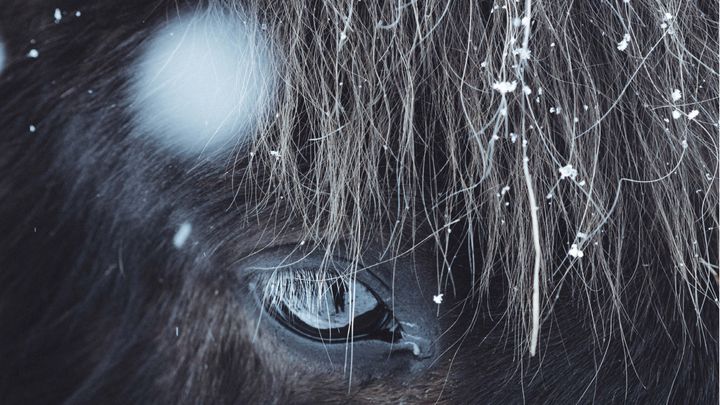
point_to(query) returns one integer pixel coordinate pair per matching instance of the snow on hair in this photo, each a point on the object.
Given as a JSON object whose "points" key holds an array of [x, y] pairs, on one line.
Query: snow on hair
{"points": [[573, 143]]}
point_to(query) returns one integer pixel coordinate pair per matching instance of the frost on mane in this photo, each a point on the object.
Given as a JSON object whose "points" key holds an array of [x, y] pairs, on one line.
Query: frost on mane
{"points": [[505, 87], [568, 171]]}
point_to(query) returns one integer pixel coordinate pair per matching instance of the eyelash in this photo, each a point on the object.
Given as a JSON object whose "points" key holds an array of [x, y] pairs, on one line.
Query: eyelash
{"points": [[305, 285]]}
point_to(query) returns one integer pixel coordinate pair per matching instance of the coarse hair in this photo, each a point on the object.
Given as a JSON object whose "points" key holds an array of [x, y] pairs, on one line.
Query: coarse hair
{"points": [[568, 145]]}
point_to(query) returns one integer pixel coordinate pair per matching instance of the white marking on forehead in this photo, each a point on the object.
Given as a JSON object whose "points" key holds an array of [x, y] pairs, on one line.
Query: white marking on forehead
{"points": [[202, 83]]}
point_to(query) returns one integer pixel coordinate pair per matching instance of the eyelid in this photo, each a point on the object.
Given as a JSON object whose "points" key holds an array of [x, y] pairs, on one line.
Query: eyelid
{"points": [[255, 270], [292, 257]]}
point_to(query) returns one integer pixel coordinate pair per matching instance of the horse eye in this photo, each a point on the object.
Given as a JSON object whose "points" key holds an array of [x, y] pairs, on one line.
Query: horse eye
{"points": [[328, 307]]}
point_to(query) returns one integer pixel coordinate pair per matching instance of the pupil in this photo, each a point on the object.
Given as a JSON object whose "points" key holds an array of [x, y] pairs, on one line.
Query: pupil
{"points": [[338, 290]]}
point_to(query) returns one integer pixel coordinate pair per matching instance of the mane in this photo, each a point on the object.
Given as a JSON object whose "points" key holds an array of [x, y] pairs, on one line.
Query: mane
{"points": [[571, 146]]}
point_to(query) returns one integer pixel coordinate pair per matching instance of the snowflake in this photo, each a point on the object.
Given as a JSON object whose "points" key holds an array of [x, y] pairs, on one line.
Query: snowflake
{"points": [[182, 234], [622, 45], [523, 53], [505, 87], [575, 252], [568, 171]]}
